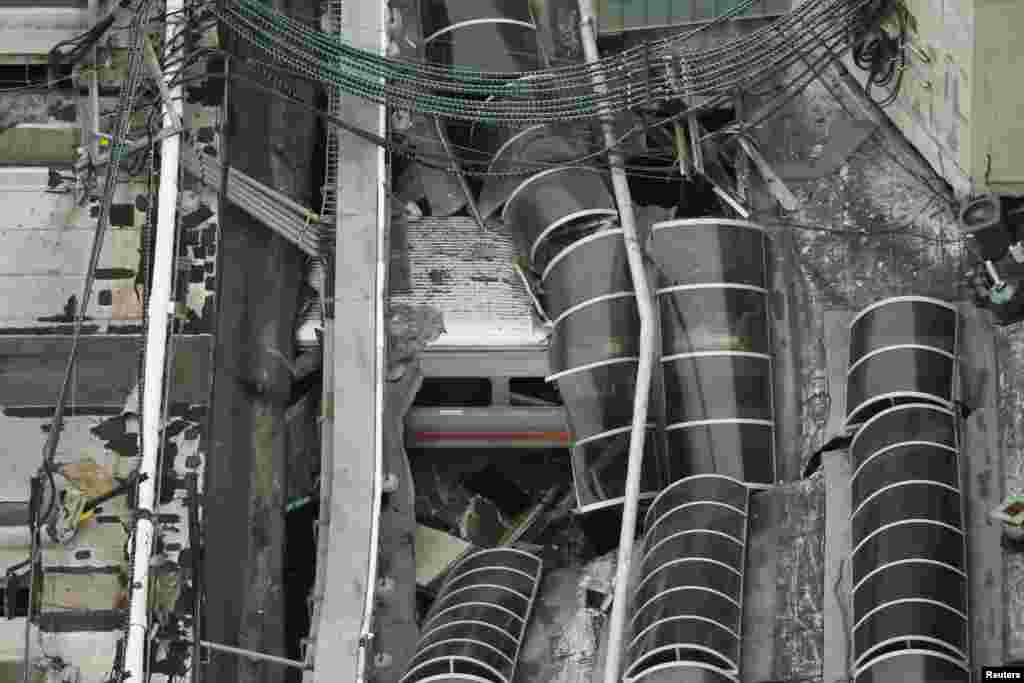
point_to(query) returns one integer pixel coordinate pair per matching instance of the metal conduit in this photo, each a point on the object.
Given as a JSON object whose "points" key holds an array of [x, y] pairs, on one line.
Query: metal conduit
{"points": [[647, 350], [296, 223]]}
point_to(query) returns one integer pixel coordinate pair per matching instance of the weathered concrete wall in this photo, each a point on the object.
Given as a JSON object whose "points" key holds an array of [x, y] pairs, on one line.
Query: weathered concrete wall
{"points": [[934, 108], [45, 238]]}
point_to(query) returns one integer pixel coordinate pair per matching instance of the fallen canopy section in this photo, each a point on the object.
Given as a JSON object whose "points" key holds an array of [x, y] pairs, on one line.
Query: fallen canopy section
{"points": [[910, 607], [498, 36], [687, 608], [901, 349], [529, 149], [564, 218], [555, 199], [476, 626], [594, 356], [713, 289]]}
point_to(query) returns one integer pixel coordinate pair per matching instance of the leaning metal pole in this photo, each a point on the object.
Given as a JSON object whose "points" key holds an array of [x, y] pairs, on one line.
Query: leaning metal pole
{"points": [[645, 306], [155, 356]]}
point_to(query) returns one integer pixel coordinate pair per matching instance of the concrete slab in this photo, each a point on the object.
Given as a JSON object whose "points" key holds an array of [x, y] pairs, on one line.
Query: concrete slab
{"points": [[355, 377], [836, 663], [788, 339], [782, 592], [981, 461], [396, 612], [837, 355], [760, 598], [32, 369]]}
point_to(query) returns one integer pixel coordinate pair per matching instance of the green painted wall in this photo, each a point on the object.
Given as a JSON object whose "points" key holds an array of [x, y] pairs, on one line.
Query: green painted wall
{"points": [[30, 146], [998, 98]]}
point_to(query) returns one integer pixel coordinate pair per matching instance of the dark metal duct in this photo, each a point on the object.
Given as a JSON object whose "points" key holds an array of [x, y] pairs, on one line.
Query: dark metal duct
{"points": [[909, 559], [522, 153], [553, 199], [594, 354], [497, 36], [592, 268], [914, 666], [901, 349], [476, 626], [713, 289], [687, 608]]}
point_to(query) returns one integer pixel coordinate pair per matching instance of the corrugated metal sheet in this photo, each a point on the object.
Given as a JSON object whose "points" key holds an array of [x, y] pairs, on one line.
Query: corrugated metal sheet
{"points": [[468, 274]]}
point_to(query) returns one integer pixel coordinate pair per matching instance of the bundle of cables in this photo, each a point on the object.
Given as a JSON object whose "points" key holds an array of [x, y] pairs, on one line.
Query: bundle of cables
{"points": [[883, 57]]}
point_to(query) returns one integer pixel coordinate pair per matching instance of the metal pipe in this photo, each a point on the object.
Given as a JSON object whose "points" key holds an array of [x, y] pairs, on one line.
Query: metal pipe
{"points": [[195, 543], [155, 357], [94, 89], [645, 306], [217, 647]]}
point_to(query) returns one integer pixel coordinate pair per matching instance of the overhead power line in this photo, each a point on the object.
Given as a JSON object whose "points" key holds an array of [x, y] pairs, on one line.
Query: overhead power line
{"points": [[658, 72]]}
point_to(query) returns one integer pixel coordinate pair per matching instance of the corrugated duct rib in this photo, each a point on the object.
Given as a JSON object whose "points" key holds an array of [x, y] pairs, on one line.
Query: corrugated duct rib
{"points": [[909, 566], [688, 606], [476, 626], [489, 35], [713, 289], [901, 349]]}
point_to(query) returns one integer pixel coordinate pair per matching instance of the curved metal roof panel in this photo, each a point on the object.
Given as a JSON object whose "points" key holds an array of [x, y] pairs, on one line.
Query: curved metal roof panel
{"points": [[476, 625], [688, 602], [902, 350]]}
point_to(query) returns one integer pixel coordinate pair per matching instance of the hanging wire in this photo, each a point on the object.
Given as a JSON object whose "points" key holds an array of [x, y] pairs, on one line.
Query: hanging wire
{"points": [[549, 95]]}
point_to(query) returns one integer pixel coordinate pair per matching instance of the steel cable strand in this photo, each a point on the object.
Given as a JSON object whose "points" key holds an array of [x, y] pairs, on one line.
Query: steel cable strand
{"points": [[377, 93], [739, 46], [302, 53], [644, 97], [535, 85]]}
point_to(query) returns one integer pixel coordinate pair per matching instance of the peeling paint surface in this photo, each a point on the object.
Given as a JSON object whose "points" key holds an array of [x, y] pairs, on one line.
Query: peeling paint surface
{"points": [[45, 239]]}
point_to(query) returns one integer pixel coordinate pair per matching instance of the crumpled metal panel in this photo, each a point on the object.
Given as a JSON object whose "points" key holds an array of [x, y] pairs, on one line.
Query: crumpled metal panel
{"points": [[468, 274], [599, 471]]}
